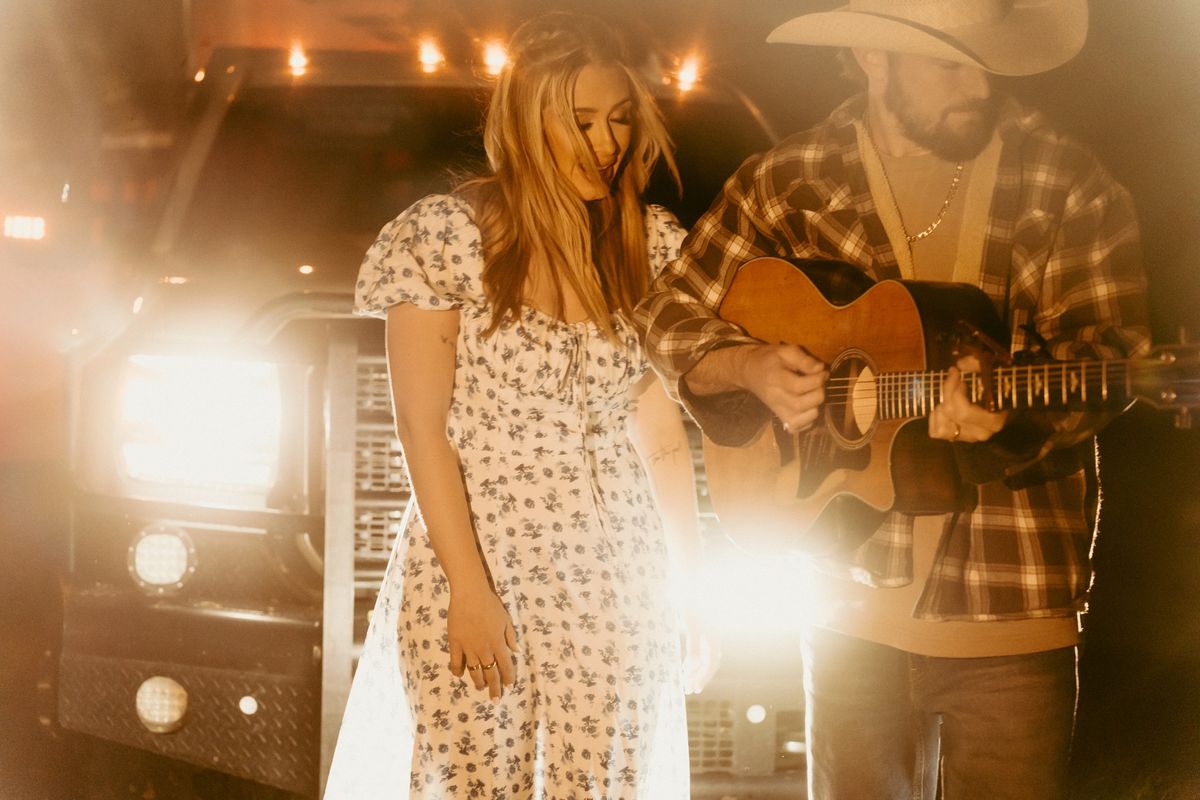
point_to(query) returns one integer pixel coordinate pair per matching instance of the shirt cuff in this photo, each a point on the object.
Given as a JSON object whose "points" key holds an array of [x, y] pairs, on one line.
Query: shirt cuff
{"points": [[730, 419]]}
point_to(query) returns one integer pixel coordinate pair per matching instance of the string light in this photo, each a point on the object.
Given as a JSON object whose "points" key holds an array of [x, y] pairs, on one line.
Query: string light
{"points": [[430, 56], [297, 60], [494, 57], [689, 74]]}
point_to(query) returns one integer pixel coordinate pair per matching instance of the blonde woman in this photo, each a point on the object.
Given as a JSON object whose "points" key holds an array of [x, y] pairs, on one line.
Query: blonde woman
{"points": [[525, 644]]}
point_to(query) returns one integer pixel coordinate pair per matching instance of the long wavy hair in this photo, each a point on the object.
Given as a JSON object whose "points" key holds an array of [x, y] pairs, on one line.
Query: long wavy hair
{"points": [[527, 208]]}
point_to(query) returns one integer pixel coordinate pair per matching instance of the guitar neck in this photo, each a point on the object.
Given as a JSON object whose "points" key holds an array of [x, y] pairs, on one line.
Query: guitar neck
{"points": [[1057, 385]]}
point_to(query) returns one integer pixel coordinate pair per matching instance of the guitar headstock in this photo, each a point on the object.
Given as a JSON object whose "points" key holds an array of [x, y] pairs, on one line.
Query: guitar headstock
{"points": [[1169, 379]]}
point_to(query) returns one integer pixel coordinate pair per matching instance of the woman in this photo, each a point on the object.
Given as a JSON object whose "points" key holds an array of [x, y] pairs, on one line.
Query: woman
{"points": [[525, 616]]}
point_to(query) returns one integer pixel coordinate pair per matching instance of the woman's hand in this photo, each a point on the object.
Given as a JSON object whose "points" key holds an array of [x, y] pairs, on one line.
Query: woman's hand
{"points": [[482, 639]]}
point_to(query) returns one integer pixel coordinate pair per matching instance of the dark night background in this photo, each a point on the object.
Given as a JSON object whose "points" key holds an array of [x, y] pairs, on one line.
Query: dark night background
{"points": [[76, 71]]}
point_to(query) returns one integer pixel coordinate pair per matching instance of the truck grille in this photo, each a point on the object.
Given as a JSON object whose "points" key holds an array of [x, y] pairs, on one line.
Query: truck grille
{"points": [[379, 466], [710, 734], [374, 396], [382, 486]]}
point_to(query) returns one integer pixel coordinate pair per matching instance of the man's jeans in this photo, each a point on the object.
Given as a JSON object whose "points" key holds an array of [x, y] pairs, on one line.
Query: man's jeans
{"points": [[876, 716]]}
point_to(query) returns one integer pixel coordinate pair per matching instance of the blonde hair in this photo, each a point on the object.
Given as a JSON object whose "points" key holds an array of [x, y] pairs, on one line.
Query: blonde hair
{"points": [[526, 208]]}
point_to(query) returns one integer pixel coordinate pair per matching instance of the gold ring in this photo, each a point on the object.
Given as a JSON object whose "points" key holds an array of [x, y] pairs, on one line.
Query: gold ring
{"points": [[488, 666], [477, 666], [957, 431]]}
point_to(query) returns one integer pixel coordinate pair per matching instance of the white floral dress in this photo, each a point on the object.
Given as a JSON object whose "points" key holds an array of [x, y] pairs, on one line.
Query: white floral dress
{"points": [[565, 519]]}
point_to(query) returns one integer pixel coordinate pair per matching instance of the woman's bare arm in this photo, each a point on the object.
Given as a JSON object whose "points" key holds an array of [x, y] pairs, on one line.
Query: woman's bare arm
{"points": [[421, 357], [658, 434]]}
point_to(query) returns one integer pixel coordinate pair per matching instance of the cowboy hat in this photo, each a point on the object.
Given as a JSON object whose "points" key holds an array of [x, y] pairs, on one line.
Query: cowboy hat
{"points": [[1006, 37]]}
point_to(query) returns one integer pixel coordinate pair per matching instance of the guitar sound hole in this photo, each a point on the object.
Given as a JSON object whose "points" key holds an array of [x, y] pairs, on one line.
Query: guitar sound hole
{"points": [[851, 404]]}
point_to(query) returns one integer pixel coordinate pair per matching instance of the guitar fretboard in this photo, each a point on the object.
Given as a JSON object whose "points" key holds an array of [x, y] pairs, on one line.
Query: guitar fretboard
{"points": [[1058, 385]]}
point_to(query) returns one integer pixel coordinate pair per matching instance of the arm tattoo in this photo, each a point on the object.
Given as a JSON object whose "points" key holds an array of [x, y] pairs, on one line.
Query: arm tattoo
{"points": [[664, 453]]}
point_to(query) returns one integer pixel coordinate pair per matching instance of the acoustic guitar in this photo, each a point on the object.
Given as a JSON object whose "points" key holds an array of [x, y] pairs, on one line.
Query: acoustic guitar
{"points": [[888, 346]]}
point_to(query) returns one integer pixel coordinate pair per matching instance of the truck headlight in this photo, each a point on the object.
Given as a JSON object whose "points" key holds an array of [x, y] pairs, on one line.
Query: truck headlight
{"points": [[200, 422]]}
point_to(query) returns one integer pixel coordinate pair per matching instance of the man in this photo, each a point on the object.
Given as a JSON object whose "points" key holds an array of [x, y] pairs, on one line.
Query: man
{"points": [[954, 643]]}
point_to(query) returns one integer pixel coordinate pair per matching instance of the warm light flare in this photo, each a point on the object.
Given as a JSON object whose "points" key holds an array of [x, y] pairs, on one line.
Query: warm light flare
{"points": [[689, 74], [24, 227], [430, 55], [199, 76], [763, 595], [495, 57], [307, 269], [297, 60]]}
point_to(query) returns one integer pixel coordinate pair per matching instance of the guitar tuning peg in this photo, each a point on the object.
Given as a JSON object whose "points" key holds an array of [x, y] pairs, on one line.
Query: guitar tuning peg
{"points": [[1183, 419]]}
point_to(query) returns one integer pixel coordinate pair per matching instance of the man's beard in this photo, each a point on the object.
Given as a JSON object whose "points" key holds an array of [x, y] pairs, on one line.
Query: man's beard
{"points": [[952, 143]]}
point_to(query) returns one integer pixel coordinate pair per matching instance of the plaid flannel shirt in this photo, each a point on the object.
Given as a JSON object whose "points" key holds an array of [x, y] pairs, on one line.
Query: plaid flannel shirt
{"points": [[1061, 256]]}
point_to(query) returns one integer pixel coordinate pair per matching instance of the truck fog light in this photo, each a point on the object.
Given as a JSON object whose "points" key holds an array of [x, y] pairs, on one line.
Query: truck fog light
{"points": [[161, 704], [161, 559]]}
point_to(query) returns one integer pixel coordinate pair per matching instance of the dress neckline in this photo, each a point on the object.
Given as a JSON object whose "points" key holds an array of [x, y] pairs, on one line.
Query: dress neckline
{"points": [[546, 316]]}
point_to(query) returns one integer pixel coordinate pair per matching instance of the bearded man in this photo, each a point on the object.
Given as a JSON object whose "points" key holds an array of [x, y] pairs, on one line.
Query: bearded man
{"points": [[946, 650]]}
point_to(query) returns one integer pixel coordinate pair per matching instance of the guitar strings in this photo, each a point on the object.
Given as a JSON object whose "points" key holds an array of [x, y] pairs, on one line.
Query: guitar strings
{"points": [[1019, 376], [1031, 385]]}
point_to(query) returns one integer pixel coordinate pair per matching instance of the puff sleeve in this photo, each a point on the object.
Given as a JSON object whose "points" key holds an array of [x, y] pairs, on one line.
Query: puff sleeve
{"points": [[428, 256]]}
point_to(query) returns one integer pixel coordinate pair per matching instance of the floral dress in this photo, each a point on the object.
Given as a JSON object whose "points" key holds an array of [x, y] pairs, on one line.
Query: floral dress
{"points": [[566, 522]]}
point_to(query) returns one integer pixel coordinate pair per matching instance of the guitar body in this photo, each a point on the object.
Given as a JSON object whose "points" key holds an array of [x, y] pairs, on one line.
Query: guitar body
{"points": [[828, 488]]}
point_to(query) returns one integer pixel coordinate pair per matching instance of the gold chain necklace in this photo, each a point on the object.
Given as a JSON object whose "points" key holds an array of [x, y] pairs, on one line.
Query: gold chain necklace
{"points": [[931, 227]]}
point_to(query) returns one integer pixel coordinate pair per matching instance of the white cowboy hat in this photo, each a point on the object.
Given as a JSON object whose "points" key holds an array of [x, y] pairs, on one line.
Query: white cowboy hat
{"points": [[1006, 37]]}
